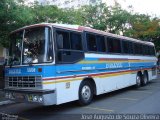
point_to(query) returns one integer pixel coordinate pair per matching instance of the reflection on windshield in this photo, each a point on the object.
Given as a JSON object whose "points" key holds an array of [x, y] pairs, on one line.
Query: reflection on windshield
{"points": [[35, 47], [16, 48]]}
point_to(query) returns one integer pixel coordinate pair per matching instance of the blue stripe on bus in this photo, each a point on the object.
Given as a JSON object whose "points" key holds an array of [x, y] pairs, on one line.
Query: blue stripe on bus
{"points": [[59, 70]]}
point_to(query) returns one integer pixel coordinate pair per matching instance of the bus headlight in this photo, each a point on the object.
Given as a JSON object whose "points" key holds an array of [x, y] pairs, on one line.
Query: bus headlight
{"points": [[35, 98], [40, 99]]}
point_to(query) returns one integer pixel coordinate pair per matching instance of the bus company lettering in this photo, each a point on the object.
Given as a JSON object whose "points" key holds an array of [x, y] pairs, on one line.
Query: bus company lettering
{"points": [[114, 65], [88, 68], [15, 71], [31, 70]]}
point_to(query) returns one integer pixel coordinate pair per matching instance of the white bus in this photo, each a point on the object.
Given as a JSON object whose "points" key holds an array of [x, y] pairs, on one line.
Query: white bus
{"points": [[57, 63]]}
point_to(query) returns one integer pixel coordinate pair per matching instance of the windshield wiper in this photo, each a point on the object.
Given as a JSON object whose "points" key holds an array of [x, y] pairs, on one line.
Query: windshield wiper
{"points": [[29, 62]]}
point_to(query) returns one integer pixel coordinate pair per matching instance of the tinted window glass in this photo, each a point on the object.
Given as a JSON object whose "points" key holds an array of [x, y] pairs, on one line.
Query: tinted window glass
{"points": [[152, 51], [76, 41], [91, 42], [69, 40], [140, 49], [147, 49], [100, 44], [63, 40], [69, 44], [113, 45], [131, 48], [125, 46], [136, 48], [144, 49]]}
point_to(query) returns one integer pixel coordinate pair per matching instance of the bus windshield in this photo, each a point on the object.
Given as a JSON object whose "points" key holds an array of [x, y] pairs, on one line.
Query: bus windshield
{"points": [[32, 47]]}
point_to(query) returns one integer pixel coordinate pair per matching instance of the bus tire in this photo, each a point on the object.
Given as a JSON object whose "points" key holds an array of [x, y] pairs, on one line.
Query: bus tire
{"points": [[145, 78], [138, 80], [85, 93]]}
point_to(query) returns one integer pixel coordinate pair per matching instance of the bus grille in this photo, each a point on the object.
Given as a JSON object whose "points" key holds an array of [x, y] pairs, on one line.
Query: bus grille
{"points": [[24, 82]]}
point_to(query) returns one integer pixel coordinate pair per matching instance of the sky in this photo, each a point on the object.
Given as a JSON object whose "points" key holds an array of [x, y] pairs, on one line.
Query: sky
{"points": [[151, 7]]}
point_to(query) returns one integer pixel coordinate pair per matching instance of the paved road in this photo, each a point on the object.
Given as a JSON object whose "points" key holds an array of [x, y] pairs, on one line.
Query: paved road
{"points": [[145, 100]]}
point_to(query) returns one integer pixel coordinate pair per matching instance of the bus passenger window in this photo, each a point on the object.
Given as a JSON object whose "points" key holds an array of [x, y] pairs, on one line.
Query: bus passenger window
{"points": [[69, 44], [63, 40], [131, 49], [127, 47], [138, 48], [60, 41], [100, 44], [91, 42], [76, 41], [113, 45], [153, 51]]}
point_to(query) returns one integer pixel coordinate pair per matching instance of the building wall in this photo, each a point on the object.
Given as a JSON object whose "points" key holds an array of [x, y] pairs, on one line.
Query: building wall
{"points": [[3, 55]]}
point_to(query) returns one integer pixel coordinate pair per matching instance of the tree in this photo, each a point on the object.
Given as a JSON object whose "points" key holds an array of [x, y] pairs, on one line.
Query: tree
{"points": [[112, 19], [118, 20], [13, 14], [95, 16], [145, 28], [47, 13], [6, 18]]}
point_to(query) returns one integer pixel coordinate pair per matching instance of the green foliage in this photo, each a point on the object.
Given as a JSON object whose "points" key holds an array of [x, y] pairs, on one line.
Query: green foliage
{"points": [[12, 16], [95, 16], [15, 14]]}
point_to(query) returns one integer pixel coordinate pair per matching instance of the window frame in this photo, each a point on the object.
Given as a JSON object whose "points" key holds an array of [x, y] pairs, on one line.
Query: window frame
{"points": [[120, 40], [57, 50], [95, 34], [69, 31]]}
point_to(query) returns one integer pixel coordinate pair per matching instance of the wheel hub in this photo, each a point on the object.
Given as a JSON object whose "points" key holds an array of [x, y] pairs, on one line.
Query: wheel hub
{"points": [[86, 92]]}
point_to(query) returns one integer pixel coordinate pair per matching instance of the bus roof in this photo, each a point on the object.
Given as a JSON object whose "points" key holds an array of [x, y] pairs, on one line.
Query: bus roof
{"points": [[83, 28]]}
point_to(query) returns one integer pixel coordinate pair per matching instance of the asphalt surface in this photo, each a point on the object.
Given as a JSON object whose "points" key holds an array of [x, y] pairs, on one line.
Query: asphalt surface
{"points": [[144, 100]]}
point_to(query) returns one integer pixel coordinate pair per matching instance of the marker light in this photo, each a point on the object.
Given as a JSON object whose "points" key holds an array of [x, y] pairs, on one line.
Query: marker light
{"points": [[39, 69]]}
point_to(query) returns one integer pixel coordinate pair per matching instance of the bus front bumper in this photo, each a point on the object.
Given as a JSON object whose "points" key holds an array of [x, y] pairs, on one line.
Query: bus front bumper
{"points": [[43, 97]]}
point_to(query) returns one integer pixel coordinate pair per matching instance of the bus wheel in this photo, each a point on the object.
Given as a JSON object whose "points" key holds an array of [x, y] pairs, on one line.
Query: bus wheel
{"points": [[138, 80], [145, 79], [85, 93]]}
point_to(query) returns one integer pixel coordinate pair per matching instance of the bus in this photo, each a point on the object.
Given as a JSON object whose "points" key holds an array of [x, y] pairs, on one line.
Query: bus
{"points": [[51, 64]]}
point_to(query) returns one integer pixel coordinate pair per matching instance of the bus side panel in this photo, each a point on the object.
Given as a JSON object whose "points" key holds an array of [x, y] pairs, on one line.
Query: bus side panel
{"points": [[115, 82], [67, 91], [110, 72], [152, 74], [49, 77], [67, 82], [119, 71], [113, 72]]}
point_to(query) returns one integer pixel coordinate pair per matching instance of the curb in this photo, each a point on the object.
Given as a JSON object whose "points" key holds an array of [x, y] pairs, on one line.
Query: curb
{"points": [[6, 102]]}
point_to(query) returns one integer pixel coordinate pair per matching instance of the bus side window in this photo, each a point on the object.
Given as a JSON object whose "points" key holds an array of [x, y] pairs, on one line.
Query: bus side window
{"points": [[91, 42], [60, 41], [113, 45], [63, 40], [125, 46], [76, 41], [69, 44], [100, 43], [131, 48]]}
